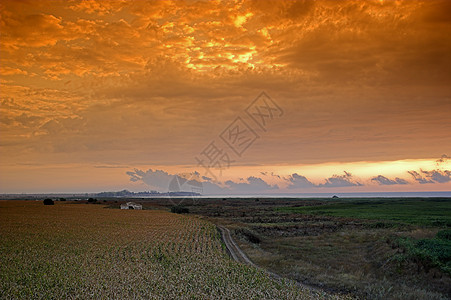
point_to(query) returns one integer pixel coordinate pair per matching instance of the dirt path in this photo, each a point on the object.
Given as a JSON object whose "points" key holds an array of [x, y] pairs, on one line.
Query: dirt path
{"points": [[233, 249], [238, 255]]}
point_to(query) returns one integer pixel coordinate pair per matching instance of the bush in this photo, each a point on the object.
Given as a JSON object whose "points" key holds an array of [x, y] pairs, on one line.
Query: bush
{"points": [[437, 250], [248, 235], [92, 200], [427, 252], [444, 234], [62, 199], [379, 225], [179, 209], [49, 202]]}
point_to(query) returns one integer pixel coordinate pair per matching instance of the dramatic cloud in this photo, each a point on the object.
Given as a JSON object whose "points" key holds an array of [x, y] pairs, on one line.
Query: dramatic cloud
{"points": [[253, 184], [299, 181], [150, 83], [157, 179], [163, 181], [443, 159], [345, 180], [382, 180], [438, 175], [433, 176], [419, 178], [160, 180], [140, 71]]}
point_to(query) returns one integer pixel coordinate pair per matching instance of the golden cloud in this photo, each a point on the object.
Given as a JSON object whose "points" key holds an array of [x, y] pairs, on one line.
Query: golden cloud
{"points": [[131, 81]]}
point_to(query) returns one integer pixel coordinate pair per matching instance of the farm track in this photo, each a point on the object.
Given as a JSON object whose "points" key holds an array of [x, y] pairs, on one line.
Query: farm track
{"points": [[238, 255], [235, 252]]}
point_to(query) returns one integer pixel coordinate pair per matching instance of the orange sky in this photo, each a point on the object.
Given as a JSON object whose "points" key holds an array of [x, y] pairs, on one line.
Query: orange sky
{"points": [[99, 95]]}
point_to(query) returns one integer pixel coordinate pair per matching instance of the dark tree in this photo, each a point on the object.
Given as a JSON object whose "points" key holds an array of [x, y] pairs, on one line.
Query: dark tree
{"points": [[48, 202], [179, 209]]}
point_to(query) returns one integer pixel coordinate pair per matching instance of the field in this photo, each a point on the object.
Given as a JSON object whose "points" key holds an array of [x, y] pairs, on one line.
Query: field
{"points": [[428, 212], [374, 248], [368, 249], [82, 251]]}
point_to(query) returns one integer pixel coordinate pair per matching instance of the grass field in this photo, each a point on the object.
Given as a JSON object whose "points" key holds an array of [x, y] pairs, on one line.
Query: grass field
{"points": [[436, 213], [81, 251], [429, 212], [372, 248]]}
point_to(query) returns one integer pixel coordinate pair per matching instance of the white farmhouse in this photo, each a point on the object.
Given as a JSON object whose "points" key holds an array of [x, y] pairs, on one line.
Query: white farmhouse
{"points": [[131, 205]]}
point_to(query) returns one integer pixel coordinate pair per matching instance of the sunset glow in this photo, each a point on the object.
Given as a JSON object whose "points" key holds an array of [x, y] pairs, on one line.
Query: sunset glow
{"points": [[99, 95]]}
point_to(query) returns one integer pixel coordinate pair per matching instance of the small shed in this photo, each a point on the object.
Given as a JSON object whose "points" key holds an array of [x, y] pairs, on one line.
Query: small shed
{"points": [[131, 205]]}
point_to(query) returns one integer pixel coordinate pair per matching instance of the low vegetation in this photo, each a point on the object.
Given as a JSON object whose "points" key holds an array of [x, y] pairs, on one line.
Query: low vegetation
{"points": [[373, 248], [179, 209], [427, 212], [430, 253], [87, 251], [48, 202]]}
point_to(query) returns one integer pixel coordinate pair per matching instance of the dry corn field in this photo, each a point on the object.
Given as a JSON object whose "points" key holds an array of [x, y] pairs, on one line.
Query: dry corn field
{"points": [[79, 251]]}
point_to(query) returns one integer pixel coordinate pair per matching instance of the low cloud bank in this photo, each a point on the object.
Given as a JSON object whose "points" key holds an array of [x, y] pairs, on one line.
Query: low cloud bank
{"points": [[269, 182]]}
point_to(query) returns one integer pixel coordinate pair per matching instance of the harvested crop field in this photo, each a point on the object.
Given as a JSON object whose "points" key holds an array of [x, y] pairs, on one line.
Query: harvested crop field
{"points": [[81, 251]]}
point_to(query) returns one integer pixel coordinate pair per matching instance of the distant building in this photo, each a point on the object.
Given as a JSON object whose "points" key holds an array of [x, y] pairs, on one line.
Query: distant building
{"points": [[131, 205]]}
